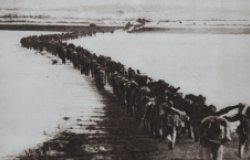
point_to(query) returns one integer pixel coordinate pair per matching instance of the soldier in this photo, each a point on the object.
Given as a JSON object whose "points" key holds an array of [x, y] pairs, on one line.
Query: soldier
{"points": [[131, 73], [215, 132], [197, 113], [82, 63], [170, 121], [86, 66], [123, 89], [61, 54], [131, 94], [140, 102], [100, 78], [74, 58], [243, 130], [93, 66], [150, 104]]}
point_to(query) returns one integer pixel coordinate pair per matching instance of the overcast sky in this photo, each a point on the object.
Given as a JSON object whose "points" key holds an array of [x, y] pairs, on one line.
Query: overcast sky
{"points": [[238, 9], [43, 4]]}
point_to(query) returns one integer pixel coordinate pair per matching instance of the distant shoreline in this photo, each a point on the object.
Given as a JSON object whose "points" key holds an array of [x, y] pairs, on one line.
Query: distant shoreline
{"points": [[111, 28], [197, 30], [56, 27]]}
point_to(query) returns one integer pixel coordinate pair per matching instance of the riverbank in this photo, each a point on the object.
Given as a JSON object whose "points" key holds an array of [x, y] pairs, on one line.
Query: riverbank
{"points": [[167, 28], [193, 29], [57, 27]]}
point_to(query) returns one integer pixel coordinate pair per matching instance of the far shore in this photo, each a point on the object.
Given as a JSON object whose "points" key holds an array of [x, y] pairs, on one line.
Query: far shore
{"points": [[203, 30], [68, 27], [56, 27]]}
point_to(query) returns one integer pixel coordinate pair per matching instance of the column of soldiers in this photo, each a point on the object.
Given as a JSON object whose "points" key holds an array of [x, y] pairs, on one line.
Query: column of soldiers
{"points": [[160, 107]]}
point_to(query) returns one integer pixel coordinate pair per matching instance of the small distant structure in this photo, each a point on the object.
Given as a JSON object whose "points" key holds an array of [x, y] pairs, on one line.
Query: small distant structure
{"points": [[135, 26], [128, 25], [92, 25]]}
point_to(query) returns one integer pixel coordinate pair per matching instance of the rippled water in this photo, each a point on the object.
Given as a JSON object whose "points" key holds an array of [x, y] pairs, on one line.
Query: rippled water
{"points": [[215, 65], [35, 96]]}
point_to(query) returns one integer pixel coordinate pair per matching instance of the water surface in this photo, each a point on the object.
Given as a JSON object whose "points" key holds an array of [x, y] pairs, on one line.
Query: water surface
{"points": [[35, 95], [215, 65]]}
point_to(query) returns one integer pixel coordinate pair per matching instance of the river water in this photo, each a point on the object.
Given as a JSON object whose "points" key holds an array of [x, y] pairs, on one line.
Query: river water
{"points": [[35, 95], [215, 65]]}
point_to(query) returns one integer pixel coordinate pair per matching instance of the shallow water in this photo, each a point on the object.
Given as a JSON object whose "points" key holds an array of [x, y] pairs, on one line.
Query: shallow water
{"points": [[215, 65], [35, 96]]}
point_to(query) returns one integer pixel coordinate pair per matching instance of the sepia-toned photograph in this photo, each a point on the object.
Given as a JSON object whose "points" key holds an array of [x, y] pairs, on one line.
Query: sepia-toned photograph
{"points": [[124, 79]]}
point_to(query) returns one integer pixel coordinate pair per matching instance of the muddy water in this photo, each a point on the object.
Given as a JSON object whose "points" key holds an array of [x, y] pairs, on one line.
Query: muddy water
{"points": [[35, 96], [215, 65]]}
